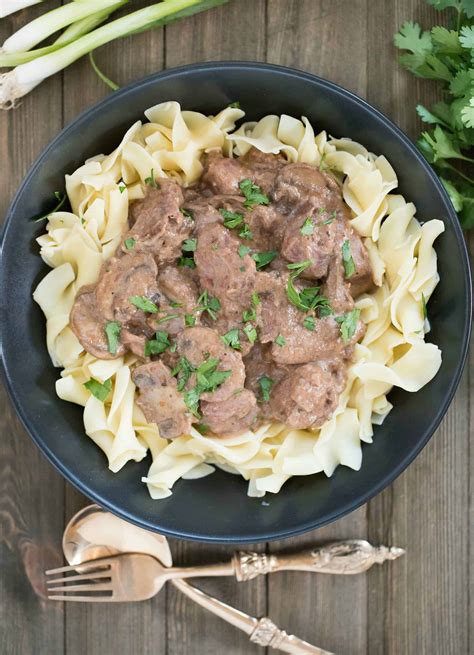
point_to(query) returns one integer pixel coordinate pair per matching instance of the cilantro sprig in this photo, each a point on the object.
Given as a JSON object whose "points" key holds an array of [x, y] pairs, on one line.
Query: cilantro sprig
{"points": [[446, 54], [309, 298], [253, 194], [208, 378]]}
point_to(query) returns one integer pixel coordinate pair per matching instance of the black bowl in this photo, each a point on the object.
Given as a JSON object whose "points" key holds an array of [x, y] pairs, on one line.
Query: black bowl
{"points": [[217, 508]]}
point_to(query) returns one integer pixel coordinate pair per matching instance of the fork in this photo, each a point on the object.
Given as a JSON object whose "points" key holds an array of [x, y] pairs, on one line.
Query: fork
{"points": [[135, 577]]}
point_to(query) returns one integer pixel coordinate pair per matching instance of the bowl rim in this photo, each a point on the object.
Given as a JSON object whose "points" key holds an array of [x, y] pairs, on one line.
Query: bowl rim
{"points": [[348, 506]]}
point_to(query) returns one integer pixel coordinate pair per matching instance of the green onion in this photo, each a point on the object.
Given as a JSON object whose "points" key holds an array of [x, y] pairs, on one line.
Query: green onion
{"points": [[22, 79], [102, 76], [8, 7], [98, 389]]}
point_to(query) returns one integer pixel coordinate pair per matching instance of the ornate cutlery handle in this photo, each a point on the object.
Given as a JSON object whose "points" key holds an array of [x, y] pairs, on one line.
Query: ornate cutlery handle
{"points": [[342, 557], [261, 631], [268, 634]]}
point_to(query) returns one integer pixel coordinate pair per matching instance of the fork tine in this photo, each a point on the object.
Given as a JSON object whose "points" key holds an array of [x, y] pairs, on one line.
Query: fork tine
{"points": [[84, 576], [105, 586], [86, 566], [84, 599]]}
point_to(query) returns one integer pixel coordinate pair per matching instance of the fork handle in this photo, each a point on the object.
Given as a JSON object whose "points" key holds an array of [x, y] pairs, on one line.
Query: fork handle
{"points": [[261, 631]]}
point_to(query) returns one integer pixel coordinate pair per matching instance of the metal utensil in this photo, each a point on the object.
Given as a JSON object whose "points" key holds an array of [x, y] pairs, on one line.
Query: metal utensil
{"points": [[93, 523], [94, 533]]}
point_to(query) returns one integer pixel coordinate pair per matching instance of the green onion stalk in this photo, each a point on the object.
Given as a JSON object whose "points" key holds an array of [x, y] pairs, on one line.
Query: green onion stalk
{"points": [[28, 74], [8, 7]]}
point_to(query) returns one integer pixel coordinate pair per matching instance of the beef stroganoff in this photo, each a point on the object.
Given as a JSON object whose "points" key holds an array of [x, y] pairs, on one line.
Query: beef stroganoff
{"points": [[243, 298]]}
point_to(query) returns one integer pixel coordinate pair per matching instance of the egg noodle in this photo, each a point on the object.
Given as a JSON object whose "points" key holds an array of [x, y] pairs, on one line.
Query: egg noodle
{"points": [[393, 351]]}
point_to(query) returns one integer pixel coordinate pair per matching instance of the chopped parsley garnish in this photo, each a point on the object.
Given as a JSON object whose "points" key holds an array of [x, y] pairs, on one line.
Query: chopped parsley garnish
{"points": [[98, 389], [144, 303], [189, 245], [207, 303], [253, 194], [245, 232], [234, 105], [243, 250], [255, 299], [130, 243], [309, 323], [423, 306], [266, 385], [183, 371], [250, 332], [307, 228], [187, 213], [249, 314], [189, 320], [112, 332], [308, 298], [348, 324], [208, 378], [122, 188], [264, 258], [168, 317], [150, 181], [61, 200], [280, 340], [232, 339], [158, 345], [231, 219], [349, 266]]}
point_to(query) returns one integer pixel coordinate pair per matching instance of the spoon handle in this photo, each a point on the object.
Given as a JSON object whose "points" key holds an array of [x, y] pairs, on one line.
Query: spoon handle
{"points": [[262, 632], [341, 558]]}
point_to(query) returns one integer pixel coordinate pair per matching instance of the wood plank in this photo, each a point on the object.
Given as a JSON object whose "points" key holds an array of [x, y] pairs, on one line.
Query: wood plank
{"points": [[31, 492], [134, 627], [329, 611], [234, 31], [420, 605]]}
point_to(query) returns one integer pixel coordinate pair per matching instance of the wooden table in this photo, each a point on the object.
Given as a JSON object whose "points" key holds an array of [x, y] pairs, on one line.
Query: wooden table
{"points": [[416, 605]]}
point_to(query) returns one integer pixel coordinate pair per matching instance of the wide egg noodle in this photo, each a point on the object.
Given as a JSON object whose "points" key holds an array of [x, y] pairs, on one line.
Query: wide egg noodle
{"points": [[393, 351]]}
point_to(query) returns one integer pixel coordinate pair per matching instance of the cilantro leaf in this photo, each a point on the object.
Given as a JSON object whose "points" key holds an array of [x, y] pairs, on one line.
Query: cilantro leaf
{"points": [[189, 320], [466, 35], [99, 389], [410, 37], [249, 314], [112, 332], [255, 299], [467, 114], [144, 303], [243, 250], [253, 194], [309, 323], [183, 371], [245, 232], [250, 332], [207, 303], [130, 243], [189, 245], [187, 213]]}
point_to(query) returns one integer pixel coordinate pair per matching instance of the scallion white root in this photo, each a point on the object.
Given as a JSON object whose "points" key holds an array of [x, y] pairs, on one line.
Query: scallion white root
{"points": [[39, 29], [8, 7], [21, 80]]}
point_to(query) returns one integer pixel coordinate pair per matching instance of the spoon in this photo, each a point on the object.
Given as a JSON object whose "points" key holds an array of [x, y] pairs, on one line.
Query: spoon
{"points": [[93, 533]]}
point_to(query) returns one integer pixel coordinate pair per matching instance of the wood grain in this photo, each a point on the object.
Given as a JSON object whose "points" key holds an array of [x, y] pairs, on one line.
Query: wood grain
{"points": [[416, 605]]}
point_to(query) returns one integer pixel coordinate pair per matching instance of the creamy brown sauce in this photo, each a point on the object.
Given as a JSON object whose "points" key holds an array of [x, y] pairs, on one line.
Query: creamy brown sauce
{"points": [[236, 294]]}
